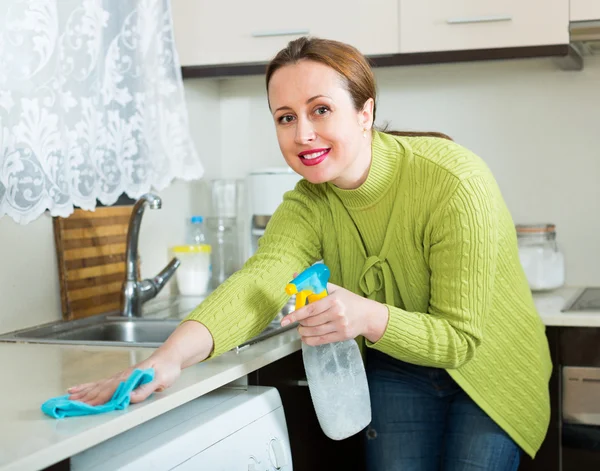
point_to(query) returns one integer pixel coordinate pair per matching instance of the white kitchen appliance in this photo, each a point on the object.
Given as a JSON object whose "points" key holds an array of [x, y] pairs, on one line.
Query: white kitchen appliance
{"points": [[265, 193], [225, 430]]}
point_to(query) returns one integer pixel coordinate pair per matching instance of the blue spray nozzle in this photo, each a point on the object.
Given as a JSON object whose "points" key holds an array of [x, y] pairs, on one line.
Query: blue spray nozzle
{"points": [[309, 285]]}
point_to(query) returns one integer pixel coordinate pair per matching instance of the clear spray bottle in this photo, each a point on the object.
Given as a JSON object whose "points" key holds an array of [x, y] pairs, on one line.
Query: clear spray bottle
{"points": [[335, 371]]}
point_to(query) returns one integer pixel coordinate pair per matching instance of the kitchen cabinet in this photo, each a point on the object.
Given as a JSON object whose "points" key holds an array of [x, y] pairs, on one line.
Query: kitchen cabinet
{"points": [[210, 32], [450, 25], [585, 10]]}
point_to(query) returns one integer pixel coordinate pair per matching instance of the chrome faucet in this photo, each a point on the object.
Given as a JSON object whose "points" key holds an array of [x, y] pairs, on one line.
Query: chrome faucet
{"points": [[136, 292]]}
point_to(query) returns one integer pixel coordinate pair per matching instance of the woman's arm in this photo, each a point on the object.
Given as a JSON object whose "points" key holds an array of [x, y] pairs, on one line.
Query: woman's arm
{"points": [[239, 309]]}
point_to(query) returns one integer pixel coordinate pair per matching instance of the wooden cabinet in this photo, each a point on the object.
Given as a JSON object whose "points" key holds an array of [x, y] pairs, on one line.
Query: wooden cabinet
{"points": [[449, 25], [213, 32], [585, 10]]}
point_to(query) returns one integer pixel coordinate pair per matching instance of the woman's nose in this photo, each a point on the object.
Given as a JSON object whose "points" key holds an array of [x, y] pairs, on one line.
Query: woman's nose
{"points": [[305, 132]]}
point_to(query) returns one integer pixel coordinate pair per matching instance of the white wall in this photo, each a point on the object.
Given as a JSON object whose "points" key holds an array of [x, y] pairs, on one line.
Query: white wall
{"points": [[535, 125]]}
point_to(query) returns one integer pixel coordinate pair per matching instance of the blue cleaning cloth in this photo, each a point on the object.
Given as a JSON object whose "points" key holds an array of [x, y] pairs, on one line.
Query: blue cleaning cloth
{"points": [[62, 406]]}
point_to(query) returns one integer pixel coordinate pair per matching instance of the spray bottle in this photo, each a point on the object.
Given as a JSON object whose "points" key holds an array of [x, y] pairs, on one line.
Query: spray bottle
{"points": [[335, 371]]}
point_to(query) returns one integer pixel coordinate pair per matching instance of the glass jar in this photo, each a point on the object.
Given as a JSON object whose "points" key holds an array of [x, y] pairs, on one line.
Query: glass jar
{"points": [[540, 257], [223, 237]]}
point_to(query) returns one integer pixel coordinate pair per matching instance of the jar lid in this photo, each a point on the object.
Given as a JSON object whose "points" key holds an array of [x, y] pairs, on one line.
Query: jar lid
{"points": [[535, 228], [201, 248]]}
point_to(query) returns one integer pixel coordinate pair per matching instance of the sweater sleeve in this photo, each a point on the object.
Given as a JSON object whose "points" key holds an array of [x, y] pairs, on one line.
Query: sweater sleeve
{"points": [[248, 300], [462, 262]]}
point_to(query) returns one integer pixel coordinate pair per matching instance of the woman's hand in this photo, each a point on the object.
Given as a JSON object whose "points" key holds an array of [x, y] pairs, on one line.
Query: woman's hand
{"points": [[190, 343], [166, 371], [341, 315]]}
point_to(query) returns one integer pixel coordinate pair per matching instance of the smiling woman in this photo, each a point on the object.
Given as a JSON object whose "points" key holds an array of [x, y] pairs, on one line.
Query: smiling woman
{"points": [[343, 88], [425, 276], [321, 134]]}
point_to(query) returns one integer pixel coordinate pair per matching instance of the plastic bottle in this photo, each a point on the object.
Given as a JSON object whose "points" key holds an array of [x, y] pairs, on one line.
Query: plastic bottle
{"points": [[196, 233], [335, 372], [193, 276]]}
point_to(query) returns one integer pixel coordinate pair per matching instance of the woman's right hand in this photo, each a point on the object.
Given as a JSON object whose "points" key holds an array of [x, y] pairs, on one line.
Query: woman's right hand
{"points": [[189, 344], [166, 371]]}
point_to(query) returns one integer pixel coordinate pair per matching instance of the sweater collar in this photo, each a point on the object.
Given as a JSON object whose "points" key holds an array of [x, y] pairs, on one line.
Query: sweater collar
{"points": [[382, 172]]}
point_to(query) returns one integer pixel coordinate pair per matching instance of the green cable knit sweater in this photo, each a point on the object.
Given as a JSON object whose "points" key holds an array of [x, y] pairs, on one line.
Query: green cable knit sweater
{"points": [[447, 268]]}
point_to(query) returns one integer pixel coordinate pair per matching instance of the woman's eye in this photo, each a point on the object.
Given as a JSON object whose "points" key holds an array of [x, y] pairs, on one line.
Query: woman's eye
{"points": [[286, 119], [321, 110]]}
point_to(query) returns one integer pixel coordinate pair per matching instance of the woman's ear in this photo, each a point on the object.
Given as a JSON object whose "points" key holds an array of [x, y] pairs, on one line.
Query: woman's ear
{"points": [[365, 116]]}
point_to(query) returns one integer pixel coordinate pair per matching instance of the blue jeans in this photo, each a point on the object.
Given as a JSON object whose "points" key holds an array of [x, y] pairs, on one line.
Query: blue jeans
{"points": [[423, 421]]}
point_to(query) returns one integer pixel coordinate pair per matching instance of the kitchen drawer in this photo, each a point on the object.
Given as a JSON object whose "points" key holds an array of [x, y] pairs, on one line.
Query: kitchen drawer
{"points": [[444, 25], [585, 10], [211, 32]]}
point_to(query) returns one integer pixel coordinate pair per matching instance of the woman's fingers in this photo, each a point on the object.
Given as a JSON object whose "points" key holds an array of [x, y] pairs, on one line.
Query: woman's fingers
{"points": [[313, 309], [318, 330], [79, 387], [142, 392], [76, 396], [323, 339], [96, 393]]}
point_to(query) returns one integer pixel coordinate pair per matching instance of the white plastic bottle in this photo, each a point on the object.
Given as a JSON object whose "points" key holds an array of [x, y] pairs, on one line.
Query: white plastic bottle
{"points": [[193, 276], [338, 387]]}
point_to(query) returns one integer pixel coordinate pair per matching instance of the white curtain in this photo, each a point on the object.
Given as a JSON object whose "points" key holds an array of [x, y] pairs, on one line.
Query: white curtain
{"points": [[91, 104]]}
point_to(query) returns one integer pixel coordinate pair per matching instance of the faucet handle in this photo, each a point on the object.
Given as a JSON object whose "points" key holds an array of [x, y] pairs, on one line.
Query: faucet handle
{"points": [[165, 274], [149, 288]]}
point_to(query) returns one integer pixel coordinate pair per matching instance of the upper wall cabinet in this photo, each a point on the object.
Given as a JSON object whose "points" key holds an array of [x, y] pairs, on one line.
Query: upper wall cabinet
{"points": [[585, 10], [445, 25], [220, 32]]}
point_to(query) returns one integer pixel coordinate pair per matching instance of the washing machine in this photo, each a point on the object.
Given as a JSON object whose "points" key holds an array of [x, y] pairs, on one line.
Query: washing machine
{"points": [[226, 430]]}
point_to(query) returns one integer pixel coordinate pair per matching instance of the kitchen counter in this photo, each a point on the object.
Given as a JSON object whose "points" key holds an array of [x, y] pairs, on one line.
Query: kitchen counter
{"points": [[33, 373], [551, 304]]}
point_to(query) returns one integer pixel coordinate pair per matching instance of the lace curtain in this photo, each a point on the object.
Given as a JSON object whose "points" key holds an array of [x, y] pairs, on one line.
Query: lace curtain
{"points": [[91, 104]]}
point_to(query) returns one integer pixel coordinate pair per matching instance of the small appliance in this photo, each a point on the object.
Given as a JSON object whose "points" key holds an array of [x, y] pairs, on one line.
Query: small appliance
{"points": [[265, 189]]}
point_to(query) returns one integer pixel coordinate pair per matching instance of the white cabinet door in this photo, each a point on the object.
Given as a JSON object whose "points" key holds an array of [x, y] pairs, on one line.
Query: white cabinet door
{"points": [[221, 32], [444, 25], [585, 10]]}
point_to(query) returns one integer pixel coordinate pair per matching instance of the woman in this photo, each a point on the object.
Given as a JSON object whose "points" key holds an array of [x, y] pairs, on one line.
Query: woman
{"points": [[423, 257]]}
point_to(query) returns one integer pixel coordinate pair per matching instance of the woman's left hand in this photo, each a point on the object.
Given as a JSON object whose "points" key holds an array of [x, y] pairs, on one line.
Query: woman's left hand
{"points": [[341, 315]]}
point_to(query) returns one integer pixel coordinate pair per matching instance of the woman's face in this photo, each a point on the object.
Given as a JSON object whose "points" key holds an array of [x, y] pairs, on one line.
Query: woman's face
{"points": [[321, 135]]}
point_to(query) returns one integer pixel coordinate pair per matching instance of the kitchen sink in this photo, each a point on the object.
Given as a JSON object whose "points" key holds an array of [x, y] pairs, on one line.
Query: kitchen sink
{"points": [[116, 330], [106, 330]]}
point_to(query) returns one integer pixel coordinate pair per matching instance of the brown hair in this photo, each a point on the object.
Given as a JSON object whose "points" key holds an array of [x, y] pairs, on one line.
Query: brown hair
{"points": [[347, 61]]}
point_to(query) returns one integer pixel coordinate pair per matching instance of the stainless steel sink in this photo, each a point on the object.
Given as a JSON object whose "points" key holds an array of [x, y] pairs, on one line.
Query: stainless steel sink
{"points": [[114, 330], [106, 329]]}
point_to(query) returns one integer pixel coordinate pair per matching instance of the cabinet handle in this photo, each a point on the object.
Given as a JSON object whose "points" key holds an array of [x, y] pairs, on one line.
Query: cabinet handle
{"points": [[478, 19], [285, 32]]}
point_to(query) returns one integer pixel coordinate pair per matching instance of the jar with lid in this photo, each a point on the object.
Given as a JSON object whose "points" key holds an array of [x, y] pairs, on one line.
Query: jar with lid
{"points": [[540, 257]]}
